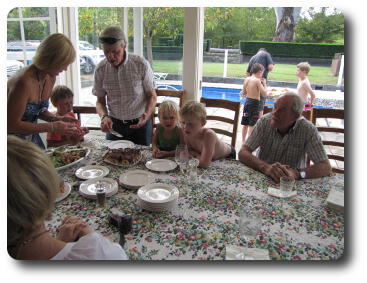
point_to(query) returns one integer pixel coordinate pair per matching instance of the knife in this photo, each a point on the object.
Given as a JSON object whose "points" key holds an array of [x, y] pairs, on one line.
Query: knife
{"points": [[116, 133]]}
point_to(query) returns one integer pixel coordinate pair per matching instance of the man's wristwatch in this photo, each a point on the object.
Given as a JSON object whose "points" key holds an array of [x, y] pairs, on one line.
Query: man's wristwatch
{"points": [[103, 116]]}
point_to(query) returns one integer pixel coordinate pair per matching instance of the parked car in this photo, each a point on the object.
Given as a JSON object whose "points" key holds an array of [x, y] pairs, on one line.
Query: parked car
{"points": [[91, 54], [12, 66]]}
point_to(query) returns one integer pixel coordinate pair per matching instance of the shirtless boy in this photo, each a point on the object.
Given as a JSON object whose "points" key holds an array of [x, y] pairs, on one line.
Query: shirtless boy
{"points": [[254, 89], [202, 142], [304, 86]]}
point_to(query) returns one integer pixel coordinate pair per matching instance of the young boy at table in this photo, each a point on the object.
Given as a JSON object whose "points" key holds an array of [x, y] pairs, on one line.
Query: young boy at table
{"points": [[254, 89], [62, 99], [202, 142], [168, 133], [304, 89]]}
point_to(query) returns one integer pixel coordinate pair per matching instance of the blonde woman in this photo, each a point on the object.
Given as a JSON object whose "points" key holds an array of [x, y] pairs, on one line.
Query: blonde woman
{"points": [[30, 88], [32, 188], [168, 134]]}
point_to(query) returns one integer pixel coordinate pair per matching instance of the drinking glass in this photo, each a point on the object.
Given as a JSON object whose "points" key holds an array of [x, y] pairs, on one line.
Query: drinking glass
{"points": [[286, 185], [182, 157], [193, 167], [249, 227]]}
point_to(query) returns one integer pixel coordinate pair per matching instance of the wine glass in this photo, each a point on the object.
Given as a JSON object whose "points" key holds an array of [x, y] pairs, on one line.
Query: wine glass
{"points": [[249, 227]]}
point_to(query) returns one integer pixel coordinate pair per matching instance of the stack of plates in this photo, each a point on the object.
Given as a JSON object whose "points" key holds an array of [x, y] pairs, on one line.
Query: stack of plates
{"points": [[157, 197], [88, 188], [134, 179]]}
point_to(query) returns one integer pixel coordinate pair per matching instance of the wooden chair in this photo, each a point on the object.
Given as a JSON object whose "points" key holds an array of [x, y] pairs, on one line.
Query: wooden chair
{"points": [[329, 134], [307, 113], [79, 110], [174, 94], [224, 104]]}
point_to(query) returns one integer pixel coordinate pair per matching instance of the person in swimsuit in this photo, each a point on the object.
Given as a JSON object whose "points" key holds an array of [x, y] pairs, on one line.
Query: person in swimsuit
{"points": [[304, 89], [167, 134], [254, 89], [203, 143], [29, 90]]}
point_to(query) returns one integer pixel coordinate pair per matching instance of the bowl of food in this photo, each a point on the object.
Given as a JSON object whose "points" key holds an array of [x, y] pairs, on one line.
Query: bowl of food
{"points": [[67, 157]]}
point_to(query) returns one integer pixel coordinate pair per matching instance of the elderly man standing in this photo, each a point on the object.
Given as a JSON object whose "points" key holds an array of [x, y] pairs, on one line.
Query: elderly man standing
{"points": [[124, 86], [284, 138]]}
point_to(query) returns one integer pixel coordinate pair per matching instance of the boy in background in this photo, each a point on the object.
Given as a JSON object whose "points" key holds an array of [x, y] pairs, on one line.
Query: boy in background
{"points": [[304, 89], [202, 142], [62, 99], [254, 90]]}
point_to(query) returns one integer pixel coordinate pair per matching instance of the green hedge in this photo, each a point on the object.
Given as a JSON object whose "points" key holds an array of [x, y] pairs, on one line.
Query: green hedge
{"points": [[290, 49]]}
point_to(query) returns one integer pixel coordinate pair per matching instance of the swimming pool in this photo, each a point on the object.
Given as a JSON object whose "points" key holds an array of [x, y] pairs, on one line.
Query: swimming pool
{"points": [[223, 93]]}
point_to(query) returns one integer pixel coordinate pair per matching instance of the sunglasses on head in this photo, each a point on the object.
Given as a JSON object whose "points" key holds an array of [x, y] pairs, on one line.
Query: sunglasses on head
{"points": [[108, 40]]}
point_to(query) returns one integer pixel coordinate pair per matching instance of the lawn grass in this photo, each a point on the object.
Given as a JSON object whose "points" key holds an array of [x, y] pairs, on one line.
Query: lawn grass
{"points": [[281, 72]]}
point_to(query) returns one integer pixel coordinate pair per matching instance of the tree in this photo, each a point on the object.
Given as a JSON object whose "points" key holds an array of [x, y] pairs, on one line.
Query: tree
{"points": [[92, 21], [161, 21], [227, 26], [321, 26], [287, 18]]}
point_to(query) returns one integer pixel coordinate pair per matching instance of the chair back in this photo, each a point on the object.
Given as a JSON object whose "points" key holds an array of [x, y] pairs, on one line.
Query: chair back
{"points": [[79, 110], [332, 136], [176, 95], [219, 104]]}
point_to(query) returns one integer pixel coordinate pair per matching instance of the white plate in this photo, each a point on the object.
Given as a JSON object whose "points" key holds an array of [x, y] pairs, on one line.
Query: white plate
{"points": [[134, 179], [161, 165], [92, 171], [67, 190], [121, 144], [88, 188], [156, 207], [158, 193], [72, 163]]}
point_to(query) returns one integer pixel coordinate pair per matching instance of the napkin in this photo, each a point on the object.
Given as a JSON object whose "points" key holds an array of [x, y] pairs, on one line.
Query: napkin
{"points": [[278, 193], [234, 253], [335, 200]]}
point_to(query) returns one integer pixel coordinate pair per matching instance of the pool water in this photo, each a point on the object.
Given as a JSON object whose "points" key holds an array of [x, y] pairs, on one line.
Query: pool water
{"points": [[223, 93]]}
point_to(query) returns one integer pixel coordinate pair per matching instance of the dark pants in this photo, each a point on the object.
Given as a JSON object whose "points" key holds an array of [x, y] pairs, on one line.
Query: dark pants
{"points": [[142, 136]]}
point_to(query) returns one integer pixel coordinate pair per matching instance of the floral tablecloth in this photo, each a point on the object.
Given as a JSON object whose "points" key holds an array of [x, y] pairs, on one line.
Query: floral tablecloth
{"points": [[205, 219]]}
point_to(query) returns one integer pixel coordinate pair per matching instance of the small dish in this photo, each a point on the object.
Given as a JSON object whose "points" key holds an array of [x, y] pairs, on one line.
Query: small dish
{"points": [[134, 179], [161, 165], [65, 193], [92, 171]]}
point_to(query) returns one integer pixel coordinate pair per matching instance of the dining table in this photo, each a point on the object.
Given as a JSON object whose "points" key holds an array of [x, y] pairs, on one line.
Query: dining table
{"points": [[205, 220]]}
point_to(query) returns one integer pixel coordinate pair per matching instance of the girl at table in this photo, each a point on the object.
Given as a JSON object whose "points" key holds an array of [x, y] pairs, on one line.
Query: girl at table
{"points": [[62, 99], [168, 133], [33, 185]]}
